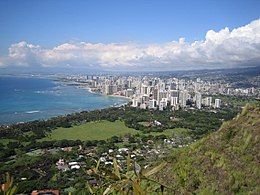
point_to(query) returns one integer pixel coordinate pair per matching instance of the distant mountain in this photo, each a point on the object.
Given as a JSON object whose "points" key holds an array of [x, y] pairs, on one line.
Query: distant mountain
{"points": [[225, 162], [231, 72]]}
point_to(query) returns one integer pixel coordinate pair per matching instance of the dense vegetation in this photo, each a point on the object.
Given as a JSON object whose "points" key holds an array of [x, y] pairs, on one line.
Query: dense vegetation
{"points": [[225, 162]]}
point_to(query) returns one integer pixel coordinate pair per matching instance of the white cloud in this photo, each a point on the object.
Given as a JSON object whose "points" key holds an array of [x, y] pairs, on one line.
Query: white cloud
{"points": [[236, 48]]}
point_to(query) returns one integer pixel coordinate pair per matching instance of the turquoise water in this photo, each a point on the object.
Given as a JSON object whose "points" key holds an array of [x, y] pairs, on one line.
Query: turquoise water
{"points": [[27, 99]]}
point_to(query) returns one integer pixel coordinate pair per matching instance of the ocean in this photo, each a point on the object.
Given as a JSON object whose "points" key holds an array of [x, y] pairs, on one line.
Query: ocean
{"points": [[28, 99]]}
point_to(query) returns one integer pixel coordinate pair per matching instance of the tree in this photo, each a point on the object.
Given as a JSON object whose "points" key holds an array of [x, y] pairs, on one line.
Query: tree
{"points": [[13, 145]]}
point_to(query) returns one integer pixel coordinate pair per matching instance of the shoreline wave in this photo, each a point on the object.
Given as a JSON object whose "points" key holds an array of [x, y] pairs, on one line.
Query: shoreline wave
{"points": [[32, 111]]}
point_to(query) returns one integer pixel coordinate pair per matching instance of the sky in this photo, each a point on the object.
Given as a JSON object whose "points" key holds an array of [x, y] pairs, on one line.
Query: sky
{"points": [[129, 34]]}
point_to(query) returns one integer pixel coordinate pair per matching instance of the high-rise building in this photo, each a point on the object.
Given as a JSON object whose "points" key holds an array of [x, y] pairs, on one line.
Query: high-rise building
{"points": [[183, 97], [155, 93], [174, 101], [197, 87], [144, 90], [217, 103], [163, 103], [129, 83], [135, 102], [110, 89], [198, 100], [144, 99], [173, 86], [173, 93], [162, 85], [152, 104], [207, 101], [129, 92], [161, 94]]}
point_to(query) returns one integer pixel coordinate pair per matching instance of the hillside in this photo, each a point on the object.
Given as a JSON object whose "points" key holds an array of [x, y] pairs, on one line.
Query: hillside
{"points": [[225, 162]]}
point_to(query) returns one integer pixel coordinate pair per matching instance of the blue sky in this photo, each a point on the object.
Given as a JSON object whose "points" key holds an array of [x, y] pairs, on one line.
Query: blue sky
{"points": [[51, 23]]}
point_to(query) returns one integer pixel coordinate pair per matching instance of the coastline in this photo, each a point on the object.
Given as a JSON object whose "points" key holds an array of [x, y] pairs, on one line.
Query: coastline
{"points": [[113, 95], [117, 96], [14, 115], [89, 89]]}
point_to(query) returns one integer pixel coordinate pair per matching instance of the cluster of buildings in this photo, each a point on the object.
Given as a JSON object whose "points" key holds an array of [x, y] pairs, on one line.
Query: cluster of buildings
{"points": [[157, 93], [107, 157]]}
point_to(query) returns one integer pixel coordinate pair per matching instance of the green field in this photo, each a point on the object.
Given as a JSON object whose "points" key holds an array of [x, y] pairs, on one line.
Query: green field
{"points": [[99, 130]]}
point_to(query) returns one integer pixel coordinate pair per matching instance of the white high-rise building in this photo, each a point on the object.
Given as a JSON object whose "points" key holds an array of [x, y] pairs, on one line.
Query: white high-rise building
{"points": [[217, 103], [161, 94], [155, 93], [144, 90], [183, 97], [144, 99], [152, 104], [129, 83], [174, 101], [197, 87], [134, 102], [198, 100], [162, 85], [129, 92], [110, 89], [163, 103]]}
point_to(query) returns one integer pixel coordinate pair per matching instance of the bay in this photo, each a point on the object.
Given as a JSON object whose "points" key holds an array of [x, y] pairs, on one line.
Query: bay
{"points": [[28, 99]]}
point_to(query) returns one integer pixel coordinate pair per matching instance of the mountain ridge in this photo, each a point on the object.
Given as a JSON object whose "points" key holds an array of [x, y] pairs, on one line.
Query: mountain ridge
{"points": [[225, 162]]}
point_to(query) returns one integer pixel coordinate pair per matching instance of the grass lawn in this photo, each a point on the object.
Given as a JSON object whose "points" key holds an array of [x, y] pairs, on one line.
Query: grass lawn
{"points": [[102, 130], [99, 130]]}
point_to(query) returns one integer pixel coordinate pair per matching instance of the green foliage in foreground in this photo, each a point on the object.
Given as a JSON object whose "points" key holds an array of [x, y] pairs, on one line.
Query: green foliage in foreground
{"points": [[225, 162], [125, 180], [7, 185]]}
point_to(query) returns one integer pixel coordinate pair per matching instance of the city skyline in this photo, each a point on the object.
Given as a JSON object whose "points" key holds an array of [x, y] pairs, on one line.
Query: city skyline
{"points": [[128, 36]]}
